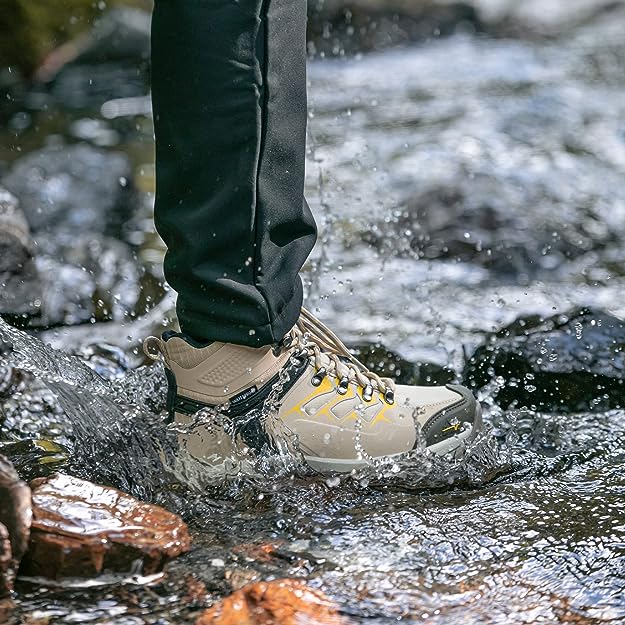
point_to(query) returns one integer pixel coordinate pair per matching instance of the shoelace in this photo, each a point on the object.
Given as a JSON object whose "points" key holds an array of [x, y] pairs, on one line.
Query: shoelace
{"points": [[317, 340], [329, 353]]}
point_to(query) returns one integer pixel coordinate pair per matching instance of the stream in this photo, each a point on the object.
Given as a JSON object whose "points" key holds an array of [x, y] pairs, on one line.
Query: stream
{"points": [[460, 185]]}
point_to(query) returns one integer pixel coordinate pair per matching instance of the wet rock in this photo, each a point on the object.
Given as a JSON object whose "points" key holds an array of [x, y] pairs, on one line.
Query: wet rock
{"points": [[19, 282], [81, 530], [120, 35], [387, 363], [93, 279], [515, 231], [564, 363], [8, 612], [72, 188], [15, 508], [110, 61], [15, 520], [30, 30], [35, 457], [7, 569], [15, 241], [280, 602], [337, 26], [541, 17]]}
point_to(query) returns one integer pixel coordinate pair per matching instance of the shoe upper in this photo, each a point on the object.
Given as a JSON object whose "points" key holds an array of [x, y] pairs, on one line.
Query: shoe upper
{"points": [[337, 408]]}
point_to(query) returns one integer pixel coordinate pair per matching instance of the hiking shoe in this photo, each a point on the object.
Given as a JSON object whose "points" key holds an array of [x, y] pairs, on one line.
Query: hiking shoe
{"points": [[342, 413]]}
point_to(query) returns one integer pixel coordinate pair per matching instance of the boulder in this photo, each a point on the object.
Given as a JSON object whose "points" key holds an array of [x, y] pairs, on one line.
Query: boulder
{"points": [[93, 278], [80, 529], [565, 363], [72, 188], [280, 602]]}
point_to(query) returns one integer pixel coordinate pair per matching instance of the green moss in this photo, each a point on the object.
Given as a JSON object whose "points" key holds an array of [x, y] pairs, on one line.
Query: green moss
{"points": [[31, 29]]}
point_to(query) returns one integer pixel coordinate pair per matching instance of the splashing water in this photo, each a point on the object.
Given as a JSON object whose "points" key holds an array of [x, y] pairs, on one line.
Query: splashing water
{"points": [[116, 440]]}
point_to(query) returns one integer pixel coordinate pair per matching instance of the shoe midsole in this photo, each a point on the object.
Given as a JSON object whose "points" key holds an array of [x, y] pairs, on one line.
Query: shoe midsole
{"points": [[345, 465]]}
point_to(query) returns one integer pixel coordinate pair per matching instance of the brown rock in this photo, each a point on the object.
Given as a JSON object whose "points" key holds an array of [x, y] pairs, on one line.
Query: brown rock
{"points": [[280, 602], [8, 611], [7, 568], [80, 529], [15, 508]]}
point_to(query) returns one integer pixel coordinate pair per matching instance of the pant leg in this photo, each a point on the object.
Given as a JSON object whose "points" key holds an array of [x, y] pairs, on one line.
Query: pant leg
{"points": [[229, 101]]}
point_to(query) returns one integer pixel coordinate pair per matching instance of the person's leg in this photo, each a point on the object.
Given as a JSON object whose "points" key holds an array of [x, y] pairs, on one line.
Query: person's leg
{"points": [[229, 100], [230, 115]]}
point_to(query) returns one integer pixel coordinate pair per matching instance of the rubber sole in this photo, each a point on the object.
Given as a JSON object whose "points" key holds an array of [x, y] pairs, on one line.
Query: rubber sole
{"points": [[442, 448]]}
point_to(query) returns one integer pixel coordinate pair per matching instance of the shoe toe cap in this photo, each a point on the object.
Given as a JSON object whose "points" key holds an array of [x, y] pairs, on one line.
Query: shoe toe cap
{"points": [[453, 419]]}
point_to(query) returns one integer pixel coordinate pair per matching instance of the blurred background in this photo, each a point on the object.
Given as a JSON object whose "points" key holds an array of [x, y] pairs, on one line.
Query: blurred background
{"points": [[465, 163]]}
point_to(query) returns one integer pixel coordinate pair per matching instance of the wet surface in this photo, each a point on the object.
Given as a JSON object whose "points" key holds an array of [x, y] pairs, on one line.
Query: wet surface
{"points": [[459, 185]]}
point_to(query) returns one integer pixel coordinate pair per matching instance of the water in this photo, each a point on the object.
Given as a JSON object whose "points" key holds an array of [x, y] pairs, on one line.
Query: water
{"points": [[528, 527]]}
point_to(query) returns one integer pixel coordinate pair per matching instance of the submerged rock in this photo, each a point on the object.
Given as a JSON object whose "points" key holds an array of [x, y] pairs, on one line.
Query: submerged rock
{"points": [[565, 363], [72, 188], [80, 529], [280, 602]]}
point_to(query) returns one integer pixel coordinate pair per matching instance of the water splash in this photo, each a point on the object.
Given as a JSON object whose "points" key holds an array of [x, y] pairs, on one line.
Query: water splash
{"points": [[120, 436]]}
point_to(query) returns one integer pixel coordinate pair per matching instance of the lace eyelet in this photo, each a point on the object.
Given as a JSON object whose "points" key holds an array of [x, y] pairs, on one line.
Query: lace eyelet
{"points": [[343, 386], [367, 393], [317, 379], [389, 397]]}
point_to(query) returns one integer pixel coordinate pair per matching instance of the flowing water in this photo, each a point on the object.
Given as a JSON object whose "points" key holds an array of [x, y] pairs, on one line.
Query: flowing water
{"points": [[458, 185]]}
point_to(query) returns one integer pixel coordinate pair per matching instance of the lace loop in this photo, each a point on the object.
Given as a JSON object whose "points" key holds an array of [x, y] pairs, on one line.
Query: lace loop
{"points": [[331, 356], [153, 348]]}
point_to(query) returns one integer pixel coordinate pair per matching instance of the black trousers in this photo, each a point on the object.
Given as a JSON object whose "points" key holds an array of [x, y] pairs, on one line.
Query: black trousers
{"points": [[229, 102]]}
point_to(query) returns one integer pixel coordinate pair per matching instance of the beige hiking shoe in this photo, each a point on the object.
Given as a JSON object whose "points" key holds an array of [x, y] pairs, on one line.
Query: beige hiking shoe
{"points": [[341, 412]]}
